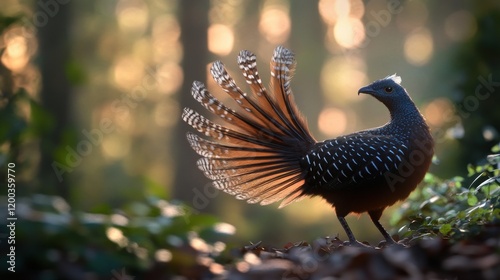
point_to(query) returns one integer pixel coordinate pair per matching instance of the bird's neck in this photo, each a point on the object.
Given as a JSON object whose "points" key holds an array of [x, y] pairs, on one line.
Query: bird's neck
{"points": [[405, 121], [408, 111]]}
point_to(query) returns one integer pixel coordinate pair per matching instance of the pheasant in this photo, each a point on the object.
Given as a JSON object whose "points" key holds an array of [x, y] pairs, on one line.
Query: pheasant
{"points": [[265, 153]]}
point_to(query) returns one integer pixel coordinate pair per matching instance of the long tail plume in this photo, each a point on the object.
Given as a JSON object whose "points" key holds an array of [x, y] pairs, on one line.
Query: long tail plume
{"points": [[257, 159]]}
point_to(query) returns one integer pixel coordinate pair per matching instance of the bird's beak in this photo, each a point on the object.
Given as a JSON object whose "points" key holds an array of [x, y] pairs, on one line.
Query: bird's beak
{"points": [[366, 89]]}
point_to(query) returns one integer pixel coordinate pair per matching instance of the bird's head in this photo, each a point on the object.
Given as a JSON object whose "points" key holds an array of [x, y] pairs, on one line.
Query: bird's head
{"points": [[388, 91]]}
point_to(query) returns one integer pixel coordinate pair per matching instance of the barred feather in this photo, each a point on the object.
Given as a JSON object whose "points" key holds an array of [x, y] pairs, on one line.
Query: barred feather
{"points": [[258, 160]]}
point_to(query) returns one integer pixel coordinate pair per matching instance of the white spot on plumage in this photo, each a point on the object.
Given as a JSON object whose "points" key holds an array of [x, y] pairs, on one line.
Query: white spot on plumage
{"points": [[329, 173], [368, 171]]}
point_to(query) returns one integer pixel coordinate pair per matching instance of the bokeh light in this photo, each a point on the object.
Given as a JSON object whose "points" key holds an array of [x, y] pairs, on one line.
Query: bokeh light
{"points": [[220, 39], [116, 236], [163, 255], [341, 78], [169, 77], [275, 24], [166, 44], [132, 15], [115, 146], [349, 32], [127, 72], [18, 50], [419, 47], [460, 26], [438, 112], [343, 19], [489, 133], [327, 11], [332, 121]]}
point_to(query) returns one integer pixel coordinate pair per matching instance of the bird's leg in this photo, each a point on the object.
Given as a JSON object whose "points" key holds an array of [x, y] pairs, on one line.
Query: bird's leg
{"points": [[352, 239], [375, 216]]}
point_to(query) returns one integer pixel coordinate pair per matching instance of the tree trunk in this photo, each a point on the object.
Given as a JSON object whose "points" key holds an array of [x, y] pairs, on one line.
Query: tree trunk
{"points": [[189, 182], [53, 25]]}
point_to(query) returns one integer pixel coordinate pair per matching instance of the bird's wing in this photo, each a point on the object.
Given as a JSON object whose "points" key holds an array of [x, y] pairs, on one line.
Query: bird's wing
{"points": [[355, 160]]}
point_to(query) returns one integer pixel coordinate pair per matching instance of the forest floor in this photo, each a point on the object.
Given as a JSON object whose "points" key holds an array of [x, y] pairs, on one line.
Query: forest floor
{"points": [[330, 258]]}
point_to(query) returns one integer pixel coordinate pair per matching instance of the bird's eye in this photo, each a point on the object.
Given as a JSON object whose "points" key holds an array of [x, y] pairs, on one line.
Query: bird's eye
{"points": [[388, 89]]}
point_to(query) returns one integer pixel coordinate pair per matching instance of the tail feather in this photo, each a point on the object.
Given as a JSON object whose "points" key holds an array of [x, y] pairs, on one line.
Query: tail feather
{"points": [[258, 158], [282, 70], [247, 124], [210, 149], [248, 65], [218, 132], [252, 108]]}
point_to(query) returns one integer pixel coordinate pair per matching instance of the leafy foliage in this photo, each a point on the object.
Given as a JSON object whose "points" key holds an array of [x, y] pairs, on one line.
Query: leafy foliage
{"points": [[146, 235], [451, 210]]}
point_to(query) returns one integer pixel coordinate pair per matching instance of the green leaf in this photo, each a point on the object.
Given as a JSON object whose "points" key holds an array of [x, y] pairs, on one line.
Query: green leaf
{"points": [[445, 229], [471, 199], [496, 148], [470, 170]]}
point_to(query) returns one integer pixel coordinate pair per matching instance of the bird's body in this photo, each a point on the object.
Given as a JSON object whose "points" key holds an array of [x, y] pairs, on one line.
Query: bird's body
{"points": [[270, 155]]}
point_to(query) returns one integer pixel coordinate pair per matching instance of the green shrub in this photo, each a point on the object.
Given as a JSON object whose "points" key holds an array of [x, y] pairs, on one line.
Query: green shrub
{"points": [[450, 209]]}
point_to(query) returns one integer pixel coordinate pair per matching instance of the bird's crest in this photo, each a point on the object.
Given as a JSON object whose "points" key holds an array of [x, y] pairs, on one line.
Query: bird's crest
{"points": [[394, 77]]}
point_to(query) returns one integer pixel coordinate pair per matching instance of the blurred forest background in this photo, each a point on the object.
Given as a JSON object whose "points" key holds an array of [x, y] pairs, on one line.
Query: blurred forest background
{"points": [[91, 93]]}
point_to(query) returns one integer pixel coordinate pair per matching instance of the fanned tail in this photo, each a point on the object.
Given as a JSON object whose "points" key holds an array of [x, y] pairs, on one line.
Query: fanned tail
{"points": [[258, 159]]}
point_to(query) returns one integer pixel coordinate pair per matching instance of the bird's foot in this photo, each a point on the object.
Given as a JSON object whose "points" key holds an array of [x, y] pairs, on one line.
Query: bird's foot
{"points": [[356, 243], [391, 243]]}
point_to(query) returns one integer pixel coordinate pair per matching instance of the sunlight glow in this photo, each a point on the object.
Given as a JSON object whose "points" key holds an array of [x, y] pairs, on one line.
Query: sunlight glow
{"points": [[489, 133], [275, 24], [169, 78], [132, 15], [419, 47], [163, 255], [119, 220], [16, 54], [349, 32], [225, 228], [332, 122], [116, 236], [343, 18], [439, 111], [216, 268], [341, 78], [327, 10], [127, 72], [199, 244], [115, 146], [220, 39], [166, 33]]}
